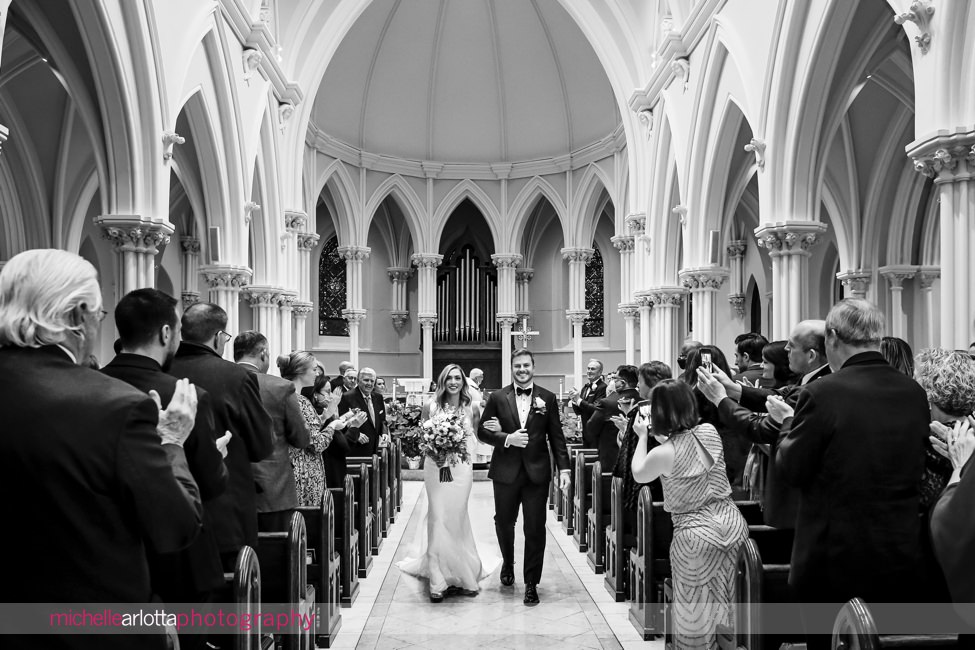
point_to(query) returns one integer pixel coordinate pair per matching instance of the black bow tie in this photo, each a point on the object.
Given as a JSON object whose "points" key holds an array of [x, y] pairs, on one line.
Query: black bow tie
{"points": [[523, 391]]}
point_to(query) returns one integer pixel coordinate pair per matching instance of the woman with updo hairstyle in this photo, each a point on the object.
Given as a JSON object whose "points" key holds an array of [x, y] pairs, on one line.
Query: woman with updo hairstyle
{"points": [[708, 527], [300, 369]]}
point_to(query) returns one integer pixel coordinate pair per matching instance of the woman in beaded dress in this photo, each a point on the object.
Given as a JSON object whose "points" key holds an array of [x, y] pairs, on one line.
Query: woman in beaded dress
{"points": [[708, 527]]}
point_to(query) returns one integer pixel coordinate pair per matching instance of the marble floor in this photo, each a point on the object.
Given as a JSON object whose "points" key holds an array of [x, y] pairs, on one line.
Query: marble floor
{"points": [[394, 611]]}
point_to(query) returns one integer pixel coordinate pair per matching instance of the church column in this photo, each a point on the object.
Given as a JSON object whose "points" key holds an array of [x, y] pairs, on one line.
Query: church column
{"points": [[896, 274], [926, 276], [789, 243], [286, 302], [307, 241], [354, 314], [300, 311], [507, 265], [136, 240], [264, 302], [704, 283], [666, 309], [577, 312], [857, 282], [294, 225], [644, 302], [399, 276], [225, 282], [736, 279], [190, 247], [629, 311], [426, 264], [948, 157], [636, 225]]}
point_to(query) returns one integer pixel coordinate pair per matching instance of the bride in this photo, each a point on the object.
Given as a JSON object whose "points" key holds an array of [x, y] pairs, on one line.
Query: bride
{"points": [[448, 555]]}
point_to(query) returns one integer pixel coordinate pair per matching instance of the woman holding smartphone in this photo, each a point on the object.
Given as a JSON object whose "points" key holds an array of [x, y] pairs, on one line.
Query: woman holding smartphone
{"points": [[708, 527]]}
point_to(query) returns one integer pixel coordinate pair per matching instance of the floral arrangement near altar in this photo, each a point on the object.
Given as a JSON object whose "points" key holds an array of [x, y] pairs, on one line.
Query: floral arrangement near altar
{"points": [[571, 423], [404, 425], [445, 442]]}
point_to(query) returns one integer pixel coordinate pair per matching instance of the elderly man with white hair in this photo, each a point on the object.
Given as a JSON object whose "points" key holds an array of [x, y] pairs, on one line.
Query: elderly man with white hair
{"points": [[94, 472], [365, 399]]}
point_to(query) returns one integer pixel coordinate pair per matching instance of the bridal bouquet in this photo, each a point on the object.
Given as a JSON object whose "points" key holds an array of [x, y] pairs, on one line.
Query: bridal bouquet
{"points": [[445, 442]]}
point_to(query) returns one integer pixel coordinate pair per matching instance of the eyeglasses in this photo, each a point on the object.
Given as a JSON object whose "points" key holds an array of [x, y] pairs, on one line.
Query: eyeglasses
{"points": [[227, 334]]}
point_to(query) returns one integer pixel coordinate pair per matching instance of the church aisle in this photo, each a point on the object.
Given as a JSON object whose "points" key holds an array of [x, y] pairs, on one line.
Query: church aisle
{"points": [[575, 612]]}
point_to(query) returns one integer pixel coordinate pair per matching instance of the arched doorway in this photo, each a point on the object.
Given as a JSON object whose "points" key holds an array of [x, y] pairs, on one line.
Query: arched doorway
{"points": [[467, 297]]}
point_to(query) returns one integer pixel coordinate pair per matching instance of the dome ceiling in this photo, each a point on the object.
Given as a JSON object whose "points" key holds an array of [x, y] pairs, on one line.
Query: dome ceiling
{"points": [[479, 81]]}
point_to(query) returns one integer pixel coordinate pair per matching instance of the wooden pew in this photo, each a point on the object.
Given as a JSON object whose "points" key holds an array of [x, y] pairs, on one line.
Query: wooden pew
{"points": [[374, 499], [324, 569], [598, 517], [649, 565], [855, 629], [398, 469], [582, 496], [391, 488], [243, 588], [617, 546], [363, 514], [346, 541], [759, 582], [568, 494], [558, 498], [283, 556], [384, 514], [553, 487]]}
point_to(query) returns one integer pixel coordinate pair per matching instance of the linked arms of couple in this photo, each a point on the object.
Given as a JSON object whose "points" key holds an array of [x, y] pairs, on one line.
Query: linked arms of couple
{"points": [[519, 439], [177, 419]]}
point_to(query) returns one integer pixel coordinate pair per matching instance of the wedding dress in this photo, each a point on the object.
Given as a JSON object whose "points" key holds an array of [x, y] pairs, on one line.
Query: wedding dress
{"points": [[445, 550]]}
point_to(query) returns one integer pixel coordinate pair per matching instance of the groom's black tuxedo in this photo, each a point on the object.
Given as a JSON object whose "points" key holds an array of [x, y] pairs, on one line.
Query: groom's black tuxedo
{"points": [[544, 429], [521, 474]]}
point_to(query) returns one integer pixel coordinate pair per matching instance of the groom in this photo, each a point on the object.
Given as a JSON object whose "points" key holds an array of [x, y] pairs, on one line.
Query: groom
{"points": [[521, 421]]}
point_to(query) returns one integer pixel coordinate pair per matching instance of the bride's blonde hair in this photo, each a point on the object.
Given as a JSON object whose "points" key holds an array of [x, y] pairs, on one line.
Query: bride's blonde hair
{"points": [[441, 395]]}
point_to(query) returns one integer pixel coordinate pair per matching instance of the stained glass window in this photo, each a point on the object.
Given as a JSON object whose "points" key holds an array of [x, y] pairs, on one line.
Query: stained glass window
{"points": [[594, 295], [331, 291]]}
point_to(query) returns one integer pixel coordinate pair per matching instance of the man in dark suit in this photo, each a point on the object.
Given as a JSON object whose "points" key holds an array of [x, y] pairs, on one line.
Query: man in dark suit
{"points": [[807, 358], [855, 449], [584, 402], [339, 378], [601, 429], [237, 407], [365, 399], [148, 327], [275, 478], [521, 421], [93, 471], [748, 357]]}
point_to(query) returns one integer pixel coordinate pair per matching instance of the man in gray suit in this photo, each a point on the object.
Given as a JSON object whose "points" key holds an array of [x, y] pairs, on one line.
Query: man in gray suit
{"points": [[276, 495]]}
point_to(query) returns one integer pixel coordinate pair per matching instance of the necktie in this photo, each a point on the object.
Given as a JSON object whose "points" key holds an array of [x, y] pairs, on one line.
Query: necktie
{"points": [[372, 411], [523, 391]]}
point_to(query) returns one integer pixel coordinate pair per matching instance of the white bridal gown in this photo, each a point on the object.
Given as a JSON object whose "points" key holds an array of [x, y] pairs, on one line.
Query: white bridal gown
{"points": [[444, 550]]}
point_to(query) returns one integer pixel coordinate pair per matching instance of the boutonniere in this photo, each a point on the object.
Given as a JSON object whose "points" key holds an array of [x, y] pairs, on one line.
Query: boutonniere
{"points": [[539, 406]]}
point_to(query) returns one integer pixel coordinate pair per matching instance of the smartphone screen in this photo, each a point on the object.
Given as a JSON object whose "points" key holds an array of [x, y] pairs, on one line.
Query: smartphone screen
{"points": [[706, 360], [645, 410]]}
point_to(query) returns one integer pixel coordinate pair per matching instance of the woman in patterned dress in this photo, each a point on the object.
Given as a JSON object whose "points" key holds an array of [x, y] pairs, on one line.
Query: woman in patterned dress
{"points": [[300, 368], [708, 527]]}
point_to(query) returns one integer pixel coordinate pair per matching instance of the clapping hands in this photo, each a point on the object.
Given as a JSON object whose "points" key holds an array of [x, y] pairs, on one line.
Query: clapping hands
{"points": [[778, 409], [176, 422], [961, 442]]}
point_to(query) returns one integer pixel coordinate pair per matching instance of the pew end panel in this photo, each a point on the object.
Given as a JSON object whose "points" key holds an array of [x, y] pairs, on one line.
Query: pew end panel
{"points": [[856, 629], [582, 496], [598, 517], [363, 514], [324, 568], [616, 581]]}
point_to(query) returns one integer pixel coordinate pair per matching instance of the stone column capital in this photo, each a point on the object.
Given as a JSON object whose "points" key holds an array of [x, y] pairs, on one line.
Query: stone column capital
{"points": [[507, 260], [132, 232], [426, 260], [302, 308], [705, 277], [623, 243], [945, 155], [262, 295], [737, 248], [189, 298], [506, 319], [789, 237], [356, 253], [286, 299], [295, 220], [737, 301], [629, 310], [636, 223], [399, 318], [189, 245], [857, 281], [399, 273], [926, 275], [577, 254], [226, 276], [664, 297], [428, 319], [897, 273], [354, 315], [577, 316], [307, 241], [524, 274]]}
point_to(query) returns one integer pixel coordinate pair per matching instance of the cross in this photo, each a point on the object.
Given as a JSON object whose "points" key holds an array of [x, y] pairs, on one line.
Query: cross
{"points": [[523, 333]]}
